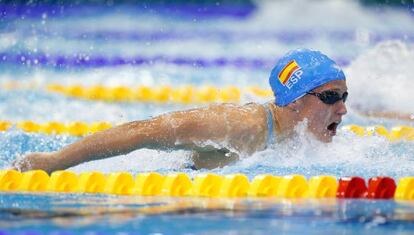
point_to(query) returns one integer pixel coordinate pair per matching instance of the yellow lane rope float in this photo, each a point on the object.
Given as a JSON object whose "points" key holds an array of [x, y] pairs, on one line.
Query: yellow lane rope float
{"points": [[163, 94], [207, 185], [83, 128], [71, 128], [186, 94], [394, 134]]}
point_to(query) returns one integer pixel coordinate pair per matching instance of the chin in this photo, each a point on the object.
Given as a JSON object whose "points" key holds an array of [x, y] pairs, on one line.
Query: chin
{"points": [[329, 140], [326, 138], [323, 135]]}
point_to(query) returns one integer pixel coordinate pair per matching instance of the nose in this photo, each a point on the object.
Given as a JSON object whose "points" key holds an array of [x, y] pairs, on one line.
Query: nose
{"points": [[341, 108]]}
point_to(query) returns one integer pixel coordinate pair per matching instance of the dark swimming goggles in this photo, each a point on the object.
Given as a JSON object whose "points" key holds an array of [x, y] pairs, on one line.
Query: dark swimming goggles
{"points": [[330, 97]]}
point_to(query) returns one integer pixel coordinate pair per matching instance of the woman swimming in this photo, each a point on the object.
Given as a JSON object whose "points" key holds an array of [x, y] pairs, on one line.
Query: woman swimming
{"points": [[307, 85]]}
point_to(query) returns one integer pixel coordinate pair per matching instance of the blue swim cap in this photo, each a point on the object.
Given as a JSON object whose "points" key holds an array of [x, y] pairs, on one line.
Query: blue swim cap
{"points": [[300, 71]]}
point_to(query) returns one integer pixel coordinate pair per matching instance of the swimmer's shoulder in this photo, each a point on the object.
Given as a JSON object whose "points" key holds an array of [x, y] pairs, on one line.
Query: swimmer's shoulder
{"points": [[253, 110], [251, 116], [245, 125]]}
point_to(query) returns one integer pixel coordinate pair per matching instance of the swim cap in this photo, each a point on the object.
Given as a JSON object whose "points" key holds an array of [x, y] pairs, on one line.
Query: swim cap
{"points": [[301, 71]]}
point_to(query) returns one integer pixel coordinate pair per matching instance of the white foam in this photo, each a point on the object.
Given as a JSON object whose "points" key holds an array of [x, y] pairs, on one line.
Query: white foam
{"points": [[382, 78], [347, 155], [138, 161]]}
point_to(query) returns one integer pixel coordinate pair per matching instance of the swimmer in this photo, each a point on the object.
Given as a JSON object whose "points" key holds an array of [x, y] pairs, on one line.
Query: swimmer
{"points": [[307, 85]]}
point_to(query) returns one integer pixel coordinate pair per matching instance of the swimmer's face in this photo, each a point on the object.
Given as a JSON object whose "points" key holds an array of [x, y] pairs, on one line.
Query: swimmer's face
{"points": [[323, 119]]}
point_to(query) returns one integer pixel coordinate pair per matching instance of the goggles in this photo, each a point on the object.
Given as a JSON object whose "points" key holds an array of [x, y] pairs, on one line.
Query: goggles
{"points": [[329, 96]]}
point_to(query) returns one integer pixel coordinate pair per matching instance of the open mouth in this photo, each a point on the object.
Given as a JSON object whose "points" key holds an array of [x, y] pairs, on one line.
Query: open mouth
{"points": [[332, 128]]}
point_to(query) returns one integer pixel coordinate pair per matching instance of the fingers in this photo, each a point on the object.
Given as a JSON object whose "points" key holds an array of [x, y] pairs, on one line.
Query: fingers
{"points": [[35, 161], [20, 165], [28, 162]]}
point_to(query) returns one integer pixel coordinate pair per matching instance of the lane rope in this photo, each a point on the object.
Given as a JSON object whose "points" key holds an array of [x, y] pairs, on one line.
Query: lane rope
{"points": [[207, 185], [286, 36], [97, 61], [163, 94], [186, 94], [396, 133]]}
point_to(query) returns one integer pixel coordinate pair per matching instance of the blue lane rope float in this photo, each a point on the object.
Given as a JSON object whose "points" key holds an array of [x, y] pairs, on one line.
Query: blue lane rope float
{"points": [[207, 185], [96, 61], [238, 10], [284, 36], [281, 36]]}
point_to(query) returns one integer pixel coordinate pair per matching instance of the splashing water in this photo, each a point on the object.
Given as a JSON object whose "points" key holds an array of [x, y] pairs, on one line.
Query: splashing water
{"points": [[381, 78], [347, 155]]}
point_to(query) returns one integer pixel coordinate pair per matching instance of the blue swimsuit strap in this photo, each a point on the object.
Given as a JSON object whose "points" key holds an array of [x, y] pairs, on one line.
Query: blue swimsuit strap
{"points": [[269, 117]]}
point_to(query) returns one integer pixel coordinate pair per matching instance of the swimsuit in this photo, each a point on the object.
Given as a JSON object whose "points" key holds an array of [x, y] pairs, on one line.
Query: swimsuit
{"points": [[269, 118]]}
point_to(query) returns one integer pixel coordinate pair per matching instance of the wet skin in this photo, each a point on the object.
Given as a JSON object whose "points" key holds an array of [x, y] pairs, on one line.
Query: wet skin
{"points": [[217, 134], [320, 115]]}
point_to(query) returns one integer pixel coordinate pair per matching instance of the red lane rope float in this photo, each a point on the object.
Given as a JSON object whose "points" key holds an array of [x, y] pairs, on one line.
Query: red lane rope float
{"points": [[351, 187], [207, 185], [381, 188], [378, 188]]}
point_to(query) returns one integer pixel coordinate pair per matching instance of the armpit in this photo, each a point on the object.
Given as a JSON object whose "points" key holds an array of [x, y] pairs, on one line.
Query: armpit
{"points": [[213, 159]]}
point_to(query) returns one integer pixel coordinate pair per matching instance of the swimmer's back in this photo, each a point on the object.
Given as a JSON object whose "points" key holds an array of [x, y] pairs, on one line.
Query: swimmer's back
{"points": [[247, 131]]}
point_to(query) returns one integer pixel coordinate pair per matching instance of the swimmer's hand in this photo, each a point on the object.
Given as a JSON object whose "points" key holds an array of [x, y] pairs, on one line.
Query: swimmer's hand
{"points": [[386, 114], [36, 161]]}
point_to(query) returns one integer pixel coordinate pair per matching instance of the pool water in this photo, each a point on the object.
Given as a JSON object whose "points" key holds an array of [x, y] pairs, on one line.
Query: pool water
{"points": [[104, 214], [175, 46]]}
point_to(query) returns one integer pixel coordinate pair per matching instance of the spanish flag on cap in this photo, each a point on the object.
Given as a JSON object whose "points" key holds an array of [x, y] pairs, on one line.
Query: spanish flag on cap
{"points": [[287, 71]]}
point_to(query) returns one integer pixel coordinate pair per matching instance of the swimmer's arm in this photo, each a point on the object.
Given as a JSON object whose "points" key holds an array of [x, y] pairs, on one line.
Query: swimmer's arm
{"points": [[179, 130], [388, 114], [118, 140]]}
